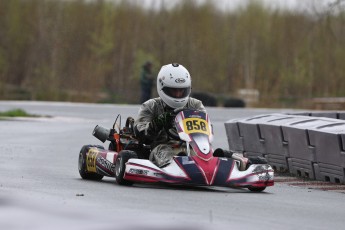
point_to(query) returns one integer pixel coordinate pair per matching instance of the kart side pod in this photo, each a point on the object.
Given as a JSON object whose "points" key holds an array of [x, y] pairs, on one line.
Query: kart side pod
{"points": [[101, 133]]}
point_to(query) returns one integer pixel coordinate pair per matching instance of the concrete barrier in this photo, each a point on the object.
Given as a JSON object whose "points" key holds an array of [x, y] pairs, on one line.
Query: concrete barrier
{"points": [[301, 152], [308, 144], [276, 145], [336, 115], [252, 141], [329, 148], [341, 116], [235, 140]]}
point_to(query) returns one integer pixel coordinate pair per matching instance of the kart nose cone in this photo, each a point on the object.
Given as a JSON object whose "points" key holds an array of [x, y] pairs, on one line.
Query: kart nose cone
{"points": [[203, 144]]}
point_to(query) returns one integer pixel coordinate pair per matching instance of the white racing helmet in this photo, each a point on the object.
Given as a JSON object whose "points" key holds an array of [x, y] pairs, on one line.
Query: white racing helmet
{"points": [[174, 85]]}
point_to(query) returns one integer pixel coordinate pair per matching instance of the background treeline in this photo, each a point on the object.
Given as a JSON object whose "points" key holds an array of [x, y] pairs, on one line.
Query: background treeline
{"points": [[93, 50]]}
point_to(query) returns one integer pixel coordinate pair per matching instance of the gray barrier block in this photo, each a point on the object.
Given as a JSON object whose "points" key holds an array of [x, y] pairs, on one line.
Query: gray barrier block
{"points": [[331, 173], [337, 127], [279, 163], [257, 136], [252, 140], [275, 146], [329, 155], [298, 143], [341, 115], [310, 146], [235, 141], [301, 150], [333, 115], [301, 114], [342, 137], [301, 167], [301, 153], [329, 149], [236, 136], [275, 142]]}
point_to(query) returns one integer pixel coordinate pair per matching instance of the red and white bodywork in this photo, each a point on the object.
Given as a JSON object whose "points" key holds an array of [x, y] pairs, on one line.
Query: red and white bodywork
{"points": [[199, 166]]}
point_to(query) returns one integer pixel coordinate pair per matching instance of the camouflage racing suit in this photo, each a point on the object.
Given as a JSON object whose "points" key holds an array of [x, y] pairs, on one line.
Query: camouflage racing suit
{"points": [[162, 146]]}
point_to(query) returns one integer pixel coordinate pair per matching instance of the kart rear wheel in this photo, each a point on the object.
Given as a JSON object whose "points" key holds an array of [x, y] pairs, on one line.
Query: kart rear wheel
{"points": [[257, 189], [82, 164], [120, 166]]}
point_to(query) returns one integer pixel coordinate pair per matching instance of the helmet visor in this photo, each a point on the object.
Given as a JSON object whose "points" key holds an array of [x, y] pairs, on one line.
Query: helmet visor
{"points": [[176, 92]]}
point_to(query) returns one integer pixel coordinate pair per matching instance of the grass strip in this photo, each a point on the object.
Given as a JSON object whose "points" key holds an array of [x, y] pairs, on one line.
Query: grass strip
{"points": [[16, 113]]}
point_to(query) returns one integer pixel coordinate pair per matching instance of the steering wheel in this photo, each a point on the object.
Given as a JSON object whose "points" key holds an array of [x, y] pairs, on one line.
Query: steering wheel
{"points": [[172, 132], [171, 129]]}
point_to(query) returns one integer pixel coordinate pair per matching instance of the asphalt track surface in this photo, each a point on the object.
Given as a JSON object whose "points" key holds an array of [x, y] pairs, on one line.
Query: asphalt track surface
{"points": [[40, 187]]}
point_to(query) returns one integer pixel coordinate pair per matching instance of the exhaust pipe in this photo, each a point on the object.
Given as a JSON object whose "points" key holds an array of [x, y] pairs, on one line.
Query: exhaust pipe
{"points": [[101, 133]]}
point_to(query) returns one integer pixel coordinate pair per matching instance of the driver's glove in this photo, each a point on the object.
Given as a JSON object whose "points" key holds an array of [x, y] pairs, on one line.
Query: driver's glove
{"points": [[163, 120]]}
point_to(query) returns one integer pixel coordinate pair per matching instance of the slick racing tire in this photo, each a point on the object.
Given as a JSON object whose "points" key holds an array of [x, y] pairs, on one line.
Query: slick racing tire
{"points": [[257, 189], [120, 166], [82, 164]]}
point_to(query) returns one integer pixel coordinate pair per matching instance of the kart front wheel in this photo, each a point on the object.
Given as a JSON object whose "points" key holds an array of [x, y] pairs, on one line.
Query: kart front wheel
{"points": [[257, 189], [82, 164], [120, 166]]}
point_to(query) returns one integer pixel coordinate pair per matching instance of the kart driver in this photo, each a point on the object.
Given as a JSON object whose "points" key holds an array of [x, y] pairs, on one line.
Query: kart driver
{"points": [[155, 115]]}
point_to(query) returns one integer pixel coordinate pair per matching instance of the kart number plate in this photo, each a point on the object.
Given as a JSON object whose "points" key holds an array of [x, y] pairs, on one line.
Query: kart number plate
{"points": [[91, 160], [196, 125]]}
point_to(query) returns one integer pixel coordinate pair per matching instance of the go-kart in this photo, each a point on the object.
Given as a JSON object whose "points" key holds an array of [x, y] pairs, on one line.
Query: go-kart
{"points": [[127, 158]]}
